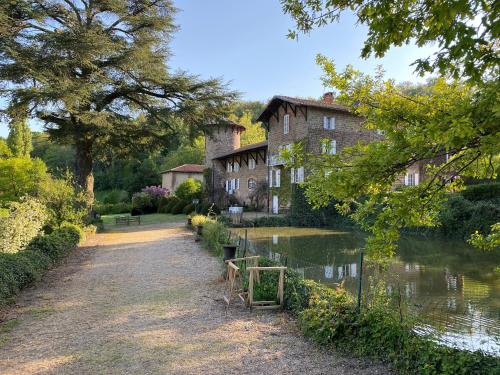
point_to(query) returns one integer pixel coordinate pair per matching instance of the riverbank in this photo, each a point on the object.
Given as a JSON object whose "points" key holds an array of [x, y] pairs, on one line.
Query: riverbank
{"points": [[148, 300]]}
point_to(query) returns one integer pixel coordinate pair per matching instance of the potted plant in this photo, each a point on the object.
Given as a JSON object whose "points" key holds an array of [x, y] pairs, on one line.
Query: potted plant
{"points": [[199, 229], [189, 221]]}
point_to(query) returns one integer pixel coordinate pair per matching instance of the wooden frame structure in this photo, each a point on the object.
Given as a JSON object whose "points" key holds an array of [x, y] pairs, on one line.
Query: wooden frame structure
{"points": [[234, 283], [265, 305]]}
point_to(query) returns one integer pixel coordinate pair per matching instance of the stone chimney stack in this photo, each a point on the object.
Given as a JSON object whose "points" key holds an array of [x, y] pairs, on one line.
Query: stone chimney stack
{"points": [[328, 97]]}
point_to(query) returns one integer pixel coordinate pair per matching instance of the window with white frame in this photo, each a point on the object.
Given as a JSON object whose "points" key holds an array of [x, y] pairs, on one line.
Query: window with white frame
{"points": [[329, 146], [252, 183], [227, 186], [251, 163], [277, 178], [270, 178], [297, 175], [411, 179], [236, 166], [229, 167], [328, 123], [233, 184], [237, 184], [286, 124]]}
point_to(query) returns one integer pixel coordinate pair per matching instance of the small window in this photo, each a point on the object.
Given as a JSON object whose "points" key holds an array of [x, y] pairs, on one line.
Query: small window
{"points": [[286, 124], [236, 166], [251, 163], [237, 184], [329, 147], [277, 178], [411, 179], [229, 167], [252, 184], [329, 123]]}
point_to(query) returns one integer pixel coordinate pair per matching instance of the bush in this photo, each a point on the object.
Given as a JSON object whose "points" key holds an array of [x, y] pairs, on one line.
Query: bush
{"points": [[143, 202], [199, 220], [19, 269], [189, 190], [482, 192], [209, 208], [25, 221], [170, 205], [163, 203], [189, 208], [269, 221], [115, 196], [113, 209], [178, 207]]}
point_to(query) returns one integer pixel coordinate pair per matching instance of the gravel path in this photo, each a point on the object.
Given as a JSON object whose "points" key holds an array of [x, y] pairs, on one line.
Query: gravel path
{"points": [[148, 301]]}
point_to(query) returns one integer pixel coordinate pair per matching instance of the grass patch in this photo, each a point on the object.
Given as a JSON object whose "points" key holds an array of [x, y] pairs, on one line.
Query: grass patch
{"points": [[149, 219], [6, 328], [42, 311]]}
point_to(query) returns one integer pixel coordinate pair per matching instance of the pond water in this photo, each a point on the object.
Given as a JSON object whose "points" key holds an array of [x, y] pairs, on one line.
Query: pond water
{"points": [[452, 287]]}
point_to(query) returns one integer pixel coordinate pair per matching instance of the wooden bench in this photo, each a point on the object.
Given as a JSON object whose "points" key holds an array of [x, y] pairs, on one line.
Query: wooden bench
{"points": [[127, 220]]}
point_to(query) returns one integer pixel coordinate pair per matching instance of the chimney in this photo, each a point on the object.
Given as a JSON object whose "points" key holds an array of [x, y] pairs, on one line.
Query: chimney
{"points": [[328, 97]]}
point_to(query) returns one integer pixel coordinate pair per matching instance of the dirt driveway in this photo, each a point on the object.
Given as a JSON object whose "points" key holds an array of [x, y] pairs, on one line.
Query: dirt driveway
{"points": [[149, 302]]}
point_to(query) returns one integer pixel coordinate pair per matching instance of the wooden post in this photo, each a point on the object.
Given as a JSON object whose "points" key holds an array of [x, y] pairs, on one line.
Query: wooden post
{"points": [[280, 286], [360, 280], [250, 288], [245, 246]]}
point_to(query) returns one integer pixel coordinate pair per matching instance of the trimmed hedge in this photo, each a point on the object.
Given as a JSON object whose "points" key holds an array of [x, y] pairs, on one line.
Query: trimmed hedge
{"points": [[17, 270], [178, 207], [171, 204], [189, 208]]}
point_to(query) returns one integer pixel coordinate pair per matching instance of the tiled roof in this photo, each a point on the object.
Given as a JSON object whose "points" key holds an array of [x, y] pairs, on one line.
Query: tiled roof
{"points": [[187, 168], [227, 122], [275, 102], [253, 146]]}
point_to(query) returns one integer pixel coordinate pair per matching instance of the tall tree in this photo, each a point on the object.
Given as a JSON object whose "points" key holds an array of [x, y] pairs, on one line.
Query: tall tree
{"points": [[19, 139], [254, 132], [95, 71]]}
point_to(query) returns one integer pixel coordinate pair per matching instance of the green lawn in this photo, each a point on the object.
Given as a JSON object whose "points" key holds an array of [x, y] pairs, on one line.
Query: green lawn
{"points": [[109, 220]]}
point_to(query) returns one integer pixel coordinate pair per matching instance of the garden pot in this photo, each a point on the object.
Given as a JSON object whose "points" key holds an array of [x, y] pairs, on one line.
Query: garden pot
{"points": [[199, 230], [229, 251], [190, 222]]}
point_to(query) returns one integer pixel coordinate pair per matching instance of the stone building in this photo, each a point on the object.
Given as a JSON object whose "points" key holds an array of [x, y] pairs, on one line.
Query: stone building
{"points": [[255, 175]]}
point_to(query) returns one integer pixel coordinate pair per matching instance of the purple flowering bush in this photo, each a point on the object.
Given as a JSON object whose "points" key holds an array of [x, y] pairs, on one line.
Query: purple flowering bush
{"points": [[148, 200]]}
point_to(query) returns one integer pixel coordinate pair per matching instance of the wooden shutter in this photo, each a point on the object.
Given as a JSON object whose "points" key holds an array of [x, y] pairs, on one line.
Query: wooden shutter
{"points": [[292, 175], [416, 179], [333, 147], [278, 178], [270, 178], [406, 179], [325, 122], [300, 174]]}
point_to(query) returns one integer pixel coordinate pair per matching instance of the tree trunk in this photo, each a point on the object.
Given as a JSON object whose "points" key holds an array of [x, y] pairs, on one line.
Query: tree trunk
{"points": [[84, 177]]}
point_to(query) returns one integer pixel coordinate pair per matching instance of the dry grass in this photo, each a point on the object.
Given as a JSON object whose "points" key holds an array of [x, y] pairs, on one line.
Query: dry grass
{"points": [[149, 302]]}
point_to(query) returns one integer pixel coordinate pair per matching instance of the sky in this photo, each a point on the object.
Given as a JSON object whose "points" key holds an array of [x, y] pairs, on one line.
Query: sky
{"points": [[244, 42]]}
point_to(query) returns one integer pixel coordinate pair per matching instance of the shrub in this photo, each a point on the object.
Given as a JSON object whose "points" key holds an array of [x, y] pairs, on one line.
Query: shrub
{"points": [[209, 208], [142, 201], [178, 207], [482, 192], [170, 205], [19, 269], [25, 221], [200, 220], [189, 190], [270, 221], [113, 209], [115, 196], [163, 203], [189, 208]]}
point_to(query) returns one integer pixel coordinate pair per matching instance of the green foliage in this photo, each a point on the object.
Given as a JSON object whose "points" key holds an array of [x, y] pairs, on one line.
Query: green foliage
{"points": [[215, 234], [209, 209], [487, 242], [190, 153], [200, 220], [19, 139], [112, 196], [64, 203], [143, 202], [178, 208], [25, 221], [465, 31], [460, 217], [19, 177], [5, 151], [17, 270], [112, 209], [163, 205], [481, 192], [269, 221], [189, 189], [188, 209], [173, 201]]}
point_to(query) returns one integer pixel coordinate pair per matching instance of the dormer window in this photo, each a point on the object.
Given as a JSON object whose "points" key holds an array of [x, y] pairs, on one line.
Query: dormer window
{"points": [[251, 163], [229, 167], [236, 166], [286, 124]]}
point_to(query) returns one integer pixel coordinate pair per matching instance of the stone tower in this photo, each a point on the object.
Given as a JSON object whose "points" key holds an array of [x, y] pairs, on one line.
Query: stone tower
{"points": [[221, 138]]}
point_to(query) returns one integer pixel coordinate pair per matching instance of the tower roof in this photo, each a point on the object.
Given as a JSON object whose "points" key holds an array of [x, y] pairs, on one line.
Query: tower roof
{"points": [[228, 123]]}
